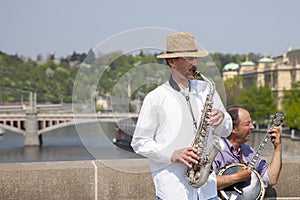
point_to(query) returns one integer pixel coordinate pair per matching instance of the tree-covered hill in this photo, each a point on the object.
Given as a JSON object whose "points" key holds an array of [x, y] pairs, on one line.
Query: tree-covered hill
{"points": [[53, 79]]}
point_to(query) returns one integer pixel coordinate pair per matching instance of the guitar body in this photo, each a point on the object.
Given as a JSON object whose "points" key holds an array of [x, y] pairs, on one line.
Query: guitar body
{"points": [[253, 188]]}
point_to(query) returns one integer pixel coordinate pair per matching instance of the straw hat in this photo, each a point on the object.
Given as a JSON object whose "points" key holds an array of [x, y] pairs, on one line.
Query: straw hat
{"points": [[182, 45]]}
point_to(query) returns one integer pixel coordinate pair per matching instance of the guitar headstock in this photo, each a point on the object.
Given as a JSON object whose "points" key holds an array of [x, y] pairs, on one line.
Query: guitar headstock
{"points": [[278, 119]]}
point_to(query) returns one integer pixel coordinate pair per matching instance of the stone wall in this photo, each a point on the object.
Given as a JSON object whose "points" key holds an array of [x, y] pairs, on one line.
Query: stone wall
{"points": [[106, 179]]}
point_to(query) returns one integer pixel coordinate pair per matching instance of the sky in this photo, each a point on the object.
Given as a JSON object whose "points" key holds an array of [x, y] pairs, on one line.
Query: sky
{"points": [[33, 27]]}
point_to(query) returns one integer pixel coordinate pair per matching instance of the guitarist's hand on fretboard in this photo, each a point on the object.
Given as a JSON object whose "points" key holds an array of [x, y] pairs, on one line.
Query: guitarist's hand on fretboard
{"points": [[275, 133]]}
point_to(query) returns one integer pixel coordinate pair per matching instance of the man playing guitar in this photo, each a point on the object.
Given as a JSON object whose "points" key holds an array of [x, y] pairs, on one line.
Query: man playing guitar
{"points": [[239, 152]]}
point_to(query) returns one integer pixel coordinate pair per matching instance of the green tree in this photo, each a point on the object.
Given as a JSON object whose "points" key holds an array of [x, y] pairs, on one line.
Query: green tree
{"points": [[291, 106], [233, 89], [259, 101], [90, 58]]}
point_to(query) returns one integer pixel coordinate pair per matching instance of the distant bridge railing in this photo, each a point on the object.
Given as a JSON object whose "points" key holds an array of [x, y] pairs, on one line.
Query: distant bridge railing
{"points": [[18, 120]]}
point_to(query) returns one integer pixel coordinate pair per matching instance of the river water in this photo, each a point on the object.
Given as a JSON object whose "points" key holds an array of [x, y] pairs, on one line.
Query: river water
{"points": [[81, 142], [91, 141]]}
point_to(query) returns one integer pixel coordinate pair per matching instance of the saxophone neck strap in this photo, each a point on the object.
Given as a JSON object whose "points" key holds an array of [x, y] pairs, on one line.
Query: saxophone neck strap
{"points": [[176, 87]]}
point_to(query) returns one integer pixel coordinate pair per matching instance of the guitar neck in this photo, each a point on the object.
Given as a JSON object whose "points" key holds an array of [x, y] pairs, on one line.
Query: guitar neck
{"points": [[259, 150], [276, 121]]}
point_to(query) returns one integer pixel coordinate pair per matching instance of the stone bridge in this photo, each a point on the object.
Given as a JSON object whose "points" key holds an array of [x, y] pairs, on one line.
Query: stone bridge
{"points": [[33, 124]]}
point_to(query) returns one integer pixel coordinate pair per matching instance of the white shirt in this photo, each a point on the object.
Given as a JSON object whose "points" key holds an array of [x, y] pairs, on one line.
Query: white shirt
{"points": [[165, 124]]}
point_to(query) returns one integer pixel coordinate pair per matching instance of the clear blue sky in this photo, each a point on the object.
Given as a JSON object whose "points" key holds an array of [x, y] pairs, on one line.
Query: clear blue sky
{"points": [[31, 27]]}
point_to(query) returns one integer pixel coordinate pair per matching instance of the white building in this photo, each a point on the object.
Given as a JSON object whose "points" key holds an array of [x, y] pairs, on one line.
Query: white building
{"points": [[278, 72]]}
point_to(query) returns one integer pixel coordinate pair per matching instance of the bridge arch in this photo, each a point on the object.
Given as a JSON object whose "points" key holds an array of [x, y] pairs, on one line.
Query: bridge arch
{"points": [[65, 124], [12, 129]]}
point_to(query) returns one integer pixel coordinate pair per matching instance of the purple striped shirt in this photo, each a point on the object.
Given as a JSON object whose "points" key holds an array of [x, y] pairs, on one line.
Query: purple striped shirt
{"points": [[228, 156]]}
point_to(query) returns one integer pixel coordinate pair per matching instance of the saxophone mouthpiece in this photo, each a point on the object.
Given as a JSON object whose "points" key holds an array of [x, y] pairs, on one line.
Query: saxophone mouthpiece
{"points": [[195, 71]]}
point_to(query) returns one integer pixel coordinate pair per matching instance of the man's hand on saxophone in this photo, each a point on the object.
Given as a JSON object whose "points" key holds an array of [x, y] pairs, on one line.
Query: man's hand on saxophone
{"points": [[186, 156], [190, 155], [216, 117]]}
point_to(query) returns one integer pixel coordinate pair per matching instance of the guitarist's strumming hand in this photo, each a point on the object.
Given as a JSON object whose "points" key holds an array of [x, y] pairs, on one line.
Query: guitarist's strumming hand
{"points": [[243, 173]]}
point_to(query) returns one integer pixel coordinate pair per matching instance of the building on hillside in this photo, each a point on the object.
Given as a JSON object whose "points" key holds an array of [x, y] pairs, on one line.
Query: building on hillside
{"points": [[278, 72]]}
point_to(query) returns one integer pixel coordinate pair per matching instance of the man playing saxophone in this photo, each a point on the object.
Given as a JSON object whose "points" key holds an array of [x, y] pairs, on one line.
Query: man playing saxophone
{"points": [[168, 122]]}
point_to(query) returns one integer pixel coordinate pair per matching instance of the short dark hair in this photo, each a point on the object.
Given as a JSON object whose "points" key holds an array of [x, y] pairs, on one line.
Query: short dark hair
{"points": [[233, 111], [167, 61]]}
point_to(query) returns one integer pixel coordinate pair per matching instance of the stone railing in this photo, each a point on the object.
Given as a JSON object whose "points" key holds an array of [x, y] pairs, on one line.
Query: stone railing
{"points": [[103, 179]]}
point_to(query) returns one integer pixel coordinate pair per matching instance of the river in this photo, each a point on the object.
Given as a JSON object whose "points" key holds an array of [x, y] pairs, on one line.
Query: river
{"points": [[94, 141]]}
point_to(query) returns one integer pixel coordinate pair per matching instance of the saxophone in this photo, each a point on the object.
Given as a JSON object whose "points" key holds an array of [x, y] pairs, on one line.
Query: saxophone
{"points": [[198, 174]]}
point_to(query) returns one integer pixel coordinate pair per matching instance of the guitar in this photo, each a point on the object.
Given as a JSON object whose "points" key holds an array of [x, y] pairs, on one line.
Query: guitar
{"points": [[254, 187]]}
